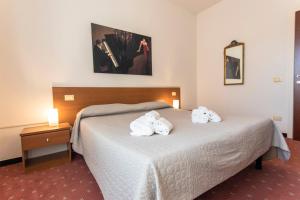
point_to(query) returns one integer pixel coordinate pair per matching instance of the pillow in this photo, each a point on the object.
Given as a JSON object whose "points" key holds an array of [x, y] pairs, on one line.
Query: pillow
{"points": [[118, 108]]}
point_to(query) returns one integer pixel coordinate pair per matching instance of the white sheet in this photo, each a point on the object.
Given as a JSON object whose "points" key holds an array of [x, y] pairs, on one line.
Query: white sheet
{"points": [[182, 165]]}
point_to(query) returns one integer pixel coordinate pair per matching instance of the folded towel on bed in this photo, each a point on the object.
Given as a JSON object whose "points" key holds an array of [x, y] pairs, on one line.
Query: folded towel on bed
{"points": [[214, 117], [149, 124], [152, 116], [141, 127], [200, 115], [162, 126]]}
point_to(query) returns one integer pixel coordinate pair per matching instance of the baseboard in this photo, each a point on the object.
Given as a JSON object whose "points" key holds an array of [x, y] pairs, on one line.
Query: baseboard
{"points": [[10, 161], [284, 135]]}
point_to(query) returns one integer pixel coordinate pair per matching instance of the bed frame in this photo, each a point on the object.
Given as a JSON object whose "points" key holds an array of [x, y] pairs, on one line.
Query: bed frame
{"points": [[258, 163], [86, 96]]}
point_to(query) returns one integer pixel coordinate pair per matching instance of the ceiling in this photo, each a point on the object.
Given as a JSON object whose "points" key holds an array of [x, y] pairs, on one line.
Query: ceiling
{"points": [[196, 5]]}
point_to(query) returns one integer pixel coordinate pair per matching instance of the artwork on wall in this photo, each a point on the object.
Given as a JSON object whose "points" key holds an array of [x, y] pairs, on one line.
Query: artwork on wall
{"points": [[121, 52], [234, 64]]}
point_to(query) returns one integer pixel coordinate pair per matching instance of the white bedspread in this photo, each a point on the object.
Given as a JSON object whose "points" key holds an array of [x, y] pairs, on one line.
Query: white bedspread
{"points": [[191, 160]]}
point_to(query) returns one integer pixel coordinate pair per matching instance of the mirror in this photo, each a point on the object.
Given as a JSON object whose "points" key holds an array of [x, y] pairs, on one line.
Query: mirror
{"points": [[234, 64]]}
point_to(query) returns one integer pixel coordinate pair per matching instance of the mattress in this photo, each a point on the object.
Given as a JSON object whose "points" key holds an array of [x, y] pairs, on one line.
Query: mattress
{"points": [[183, 165]]}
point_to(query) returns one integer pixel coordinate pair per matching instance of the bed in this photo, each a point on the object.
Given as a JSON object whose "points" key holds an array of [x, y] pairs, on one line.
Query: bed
{"points": [[190, 161]]}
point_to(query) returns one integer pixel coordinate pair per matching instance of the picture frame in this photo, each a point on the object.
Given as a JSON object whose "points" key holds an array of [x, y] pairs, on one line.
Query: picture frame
{"points": [[117, 51], [234, 63]]}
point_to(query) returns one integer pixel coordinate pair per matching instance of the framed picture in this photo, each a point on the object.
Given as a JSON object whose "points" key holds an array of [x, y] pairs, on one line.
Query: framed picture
{"points": [[234, 63], [121, 52]]}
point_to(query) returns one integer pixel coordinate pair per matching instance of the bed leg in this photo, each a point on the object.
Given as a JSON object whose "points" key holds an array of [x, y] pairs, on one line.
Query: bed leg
{"points": [[258, 163]]}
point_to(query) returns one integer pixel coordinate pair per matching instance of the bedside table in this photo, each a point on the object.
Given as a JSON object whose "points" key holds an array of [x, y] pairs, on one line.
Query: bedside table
{"points": [[44, 136]]}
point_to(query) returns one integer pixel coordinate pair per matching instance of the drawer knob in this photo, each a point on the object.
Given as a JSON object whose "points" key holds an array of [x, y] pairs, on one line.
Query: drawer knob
{"points": [[47, 139]]}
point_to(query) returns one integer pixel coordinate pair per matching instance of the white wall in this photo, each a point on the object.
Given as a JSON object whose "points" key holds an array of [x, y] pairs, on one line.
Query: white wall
{"points": [[46, 42], [267, 29]]}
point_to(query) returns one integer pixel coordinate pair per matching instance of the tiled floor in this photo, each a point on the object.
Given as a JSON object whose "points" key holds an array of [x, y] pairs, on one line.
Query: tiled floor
{"points": [[277, 181]]}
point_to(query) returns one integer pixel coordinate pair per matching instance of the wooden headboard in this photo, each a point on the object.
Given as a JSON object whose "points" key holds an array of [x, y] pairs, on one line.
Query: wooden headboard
{"points": [[86, 96]]}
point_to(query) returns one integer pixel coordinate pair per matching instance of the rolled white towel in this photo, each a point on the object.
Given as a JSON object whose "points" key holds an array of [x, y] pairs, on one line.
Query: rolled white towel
{"points": [[214, 117], [162, 126], [141, 127], [152, 116], [200, 116]]}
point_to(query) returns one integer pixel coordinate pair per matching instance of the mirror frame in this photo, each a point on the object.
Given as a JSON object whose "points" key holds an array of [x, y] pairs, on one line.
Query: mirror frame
{"points": [[235, 44]]}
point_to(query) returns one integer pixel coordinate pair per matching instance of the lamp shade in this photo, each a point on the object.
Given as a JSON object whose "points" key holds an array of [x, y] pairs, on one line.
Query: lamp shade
{"points": [[53, 117], [176, 104]]}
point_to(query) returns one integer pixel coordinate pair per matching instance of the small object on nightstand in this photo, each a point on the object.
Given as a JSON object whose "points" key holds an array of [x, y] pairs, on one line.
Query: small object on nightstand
{"points": [[53, 117], [44, 136], [176, 104]]}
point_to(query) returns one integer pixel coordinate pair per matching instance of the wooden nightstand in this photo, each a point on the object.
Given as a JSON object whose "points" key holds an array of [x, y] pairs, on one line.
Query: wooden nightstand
{"points": [[43, 136]]}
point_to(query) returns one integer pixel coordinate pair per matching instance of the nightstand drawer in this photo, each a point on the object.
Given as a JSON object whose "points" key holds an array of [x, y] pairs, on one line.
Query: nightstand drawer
{"points": [[45, 139]]}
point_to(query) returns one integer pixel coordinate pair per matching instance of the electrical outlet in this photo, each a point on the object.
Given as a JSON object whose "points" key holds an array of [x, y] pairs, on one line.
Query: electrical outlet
{"points": [[174, 94], [277, 79], [69, 97], [277, 118]]}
